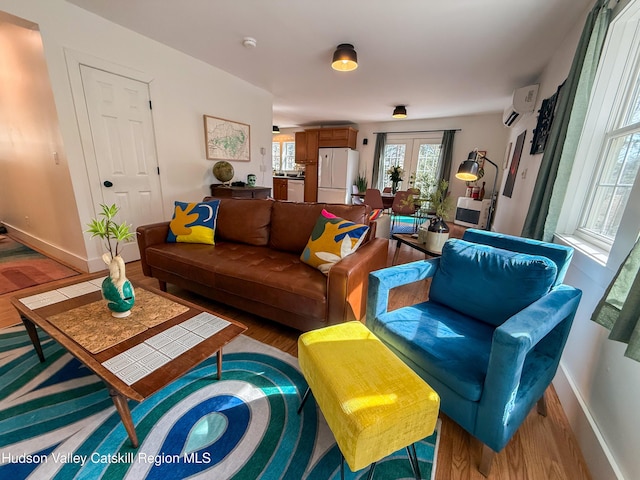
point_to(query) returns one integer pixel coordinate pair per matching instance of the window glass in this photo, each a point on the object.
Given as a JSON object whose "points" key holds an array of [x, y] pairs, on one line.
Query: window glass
{"points": [[275, 156]]}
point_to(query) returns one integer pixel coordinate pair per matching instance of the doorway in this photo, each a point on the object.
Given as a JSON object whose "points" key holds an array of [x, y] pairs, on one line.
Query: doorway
{"points": [[418, 157]]}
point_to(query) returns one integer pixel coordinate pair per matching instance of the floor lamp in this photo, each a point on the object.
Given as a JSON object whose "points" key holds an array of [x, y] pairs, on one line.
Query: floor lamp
{"points": [[468, 171]]}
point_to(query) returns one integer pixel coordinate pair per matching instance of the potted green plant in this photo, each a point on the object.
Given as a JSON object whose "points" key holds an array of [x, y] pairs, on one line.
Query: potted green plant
{"points": [[361, 183], [441, 204], [116, 289]]}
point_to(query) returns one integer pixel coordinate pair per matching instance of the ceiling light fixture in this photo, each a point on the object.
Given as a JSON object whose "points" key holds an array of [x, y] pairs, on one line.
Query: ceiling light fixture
{"points": [[400, 112], [249, 42], [345, 58], [275, 129]]}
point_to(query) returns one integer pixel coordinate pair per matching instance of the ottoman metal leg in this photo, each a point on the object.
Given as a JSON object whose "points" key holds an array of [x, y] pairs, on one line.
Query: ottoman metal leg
{"points": [[304, 399], [413, 458]]}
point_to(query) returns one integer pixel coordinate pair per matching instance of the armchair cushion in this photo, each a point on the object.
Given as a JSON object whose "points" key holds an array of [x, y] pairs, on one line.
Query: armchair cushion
{"points": [[449, 345], [517, 279]]}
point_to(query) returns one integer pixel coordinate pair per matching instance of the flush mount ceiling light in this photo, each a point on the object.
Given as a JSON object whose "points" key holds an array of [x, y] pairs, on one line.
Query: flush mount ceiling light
{"points": [[345, 58], [400, 112], [249, 42], [275, 129]]}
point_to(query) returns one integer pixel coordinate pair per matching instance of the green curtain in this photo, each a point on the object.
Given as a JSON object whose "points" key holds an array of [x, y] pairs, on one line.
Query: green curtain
{"points": [[619, 308], [557, 160], [378, 159], [446, 155]]}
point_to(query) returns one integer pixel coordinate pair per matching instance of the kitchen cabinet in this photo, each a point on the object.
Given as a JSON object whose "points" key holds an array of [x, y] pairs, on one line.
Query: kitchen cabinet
{"points": [[280, 188], [344, 137], [307, 147]]}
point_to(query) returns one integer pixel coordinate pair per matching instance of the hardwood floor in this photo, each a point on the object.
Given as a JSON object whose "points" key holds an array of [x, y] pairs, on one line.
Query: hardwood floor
{"points": [[543, 448]]}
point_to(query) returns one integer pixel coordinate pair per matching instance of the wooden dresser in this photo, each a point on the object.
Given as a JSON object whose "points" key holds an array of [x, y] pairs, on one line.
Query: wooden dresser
{"points": [[222, 191]]}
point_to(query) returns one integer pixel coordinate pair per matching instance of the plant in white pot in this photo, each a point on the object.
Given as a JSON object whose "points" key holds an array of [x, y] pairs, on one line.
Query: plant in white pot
{"points": [[116, 289], [438, 230]]}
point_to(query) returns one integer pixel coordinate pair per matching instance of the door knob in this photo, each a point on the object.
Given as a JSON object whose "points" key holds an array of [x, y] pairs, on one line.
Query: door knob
{"points": [[107, 184]]}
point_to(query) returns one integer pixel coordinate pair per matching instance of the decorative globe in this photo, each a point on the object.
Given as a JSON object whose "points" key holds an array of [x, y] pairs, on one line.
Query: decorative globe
{"points": [[223, 171]]}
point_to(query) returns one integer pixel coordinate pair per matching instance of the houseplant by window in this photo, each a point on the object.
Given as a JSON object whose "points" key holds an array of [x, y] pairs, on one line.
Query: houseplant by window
{"points": [[116, 289], [395, 175]]}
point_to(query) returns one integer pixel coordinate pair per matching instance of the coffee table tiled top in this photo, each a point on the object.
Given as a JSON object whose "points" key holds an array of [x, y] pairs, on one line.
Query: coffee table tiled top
{"points": [[162, 339]]}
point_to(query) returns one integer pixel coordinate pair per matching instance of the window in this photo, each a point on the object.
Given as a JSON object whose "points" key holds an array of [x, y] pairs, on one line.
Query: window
{"points": [[283, 153], [418, 157], [604, 183]]}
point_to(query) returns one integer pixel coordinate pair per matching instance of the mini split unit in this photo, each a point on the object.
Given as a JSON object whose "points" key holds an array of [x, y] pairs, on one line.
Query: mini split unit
{"points": [[524, 101]]}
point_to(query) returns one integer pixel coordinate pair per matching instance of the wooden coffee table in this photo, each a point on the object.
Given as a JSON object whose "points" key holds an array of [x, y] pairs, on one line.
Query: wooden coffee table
{"points": [[162, 339]]}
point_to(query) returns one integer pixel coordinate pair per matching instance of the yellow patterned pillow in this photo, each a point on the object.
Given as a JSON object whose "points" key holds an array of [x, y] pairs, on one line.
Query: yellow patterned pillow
{"points": [[193, 222], [332, 239]]}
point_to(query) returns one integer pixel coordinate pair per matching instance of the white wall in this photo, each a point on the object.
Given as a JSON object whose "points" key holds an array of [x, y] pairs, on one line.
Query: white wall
{"points": [[511, 212], [484, 132], [182, 90]]}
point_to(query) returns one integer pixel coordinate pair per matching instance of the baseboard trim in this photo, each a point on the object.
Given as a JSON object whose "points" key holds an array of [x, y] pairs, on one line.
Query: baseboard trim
{"points": [[596, 452], [53, 251]]}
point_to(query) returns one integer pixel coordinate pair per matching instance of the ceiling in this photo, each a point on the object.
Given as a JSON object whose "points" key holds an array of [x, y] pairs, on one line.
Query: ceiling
{"points": [[440, 59]]}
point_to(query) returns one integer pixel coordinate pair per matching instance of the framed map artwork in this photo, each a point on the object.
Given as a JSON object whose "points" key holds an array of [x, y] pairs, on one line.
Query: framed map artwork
{"points": [[226, 139]]}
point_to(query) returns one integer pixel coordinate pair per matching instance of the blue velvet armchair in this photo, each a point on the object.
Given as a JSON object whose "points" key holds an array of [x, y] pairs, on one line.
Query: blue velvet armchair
{"points": [[490, 337]]}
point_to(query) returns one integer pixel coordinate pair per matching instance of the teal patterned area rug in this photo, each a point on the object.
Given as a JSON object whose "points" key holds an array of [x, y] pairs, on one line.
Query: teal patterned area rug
{"points": [[58, 422]]}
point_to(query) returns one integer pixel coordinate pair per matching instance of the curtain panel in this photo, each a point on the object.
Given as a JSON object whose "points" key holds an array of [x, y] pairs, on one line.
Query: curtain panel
{"points": [[619, 308], [378, 159]]}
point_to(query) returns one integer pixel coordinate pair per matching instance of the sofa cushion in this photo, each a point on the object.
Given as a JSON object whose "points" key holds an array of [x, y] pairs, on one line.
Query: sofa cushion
{"points": [[244, 221], [445, 343], [259, 273], [332, 239], [193, 222], [292, 223], [470, 273]]}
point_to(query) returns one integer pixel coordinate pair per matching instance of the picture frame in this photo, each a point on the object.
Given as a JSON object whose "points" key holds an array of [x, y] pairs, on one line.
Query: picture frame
{"points": [[515, 163], [226, 139], [545, 119]]}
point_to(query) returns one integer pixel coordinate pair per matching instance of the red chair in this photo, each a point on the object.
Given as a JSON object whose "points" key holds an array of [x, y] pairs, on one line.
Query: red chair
{"points": [[403, 205], [373, 198]]}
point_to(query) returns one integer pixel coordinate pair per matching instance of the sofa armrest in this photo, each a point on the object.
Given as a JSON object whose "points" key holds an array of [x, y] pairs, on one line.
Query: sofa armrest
{"points": [[525, 353], [148, 235], [348, 279], [382, 281]]}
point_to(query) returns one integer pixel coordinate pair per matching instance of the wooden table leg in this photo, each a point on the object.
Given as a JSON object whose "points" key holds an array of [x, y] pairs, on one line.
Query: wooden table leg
{"points": [[120, 401], [33, 335], [395, 255], [219, 359]]}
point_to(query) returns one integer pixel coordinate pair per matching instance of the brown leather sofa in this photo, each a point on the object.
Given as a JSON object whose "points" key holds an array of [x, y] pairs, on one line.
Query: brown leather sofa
{"points": [[255, 264]]}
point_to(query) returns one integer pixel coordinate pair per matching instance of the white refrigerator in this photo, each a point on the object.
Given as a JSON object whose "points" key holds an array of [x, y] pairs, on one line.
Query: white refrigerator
{"points": [[337, 171]]}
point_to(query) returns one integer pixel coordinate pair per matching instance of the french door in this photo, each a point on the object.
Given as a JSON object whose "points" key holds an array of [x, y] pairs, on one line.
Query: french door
{"points": [[418, 157]]}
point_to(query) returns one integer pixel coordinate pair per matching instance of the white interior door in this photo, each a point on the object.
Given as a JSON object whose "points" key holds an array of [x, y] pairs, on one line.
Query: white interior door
{"points": [[124, 146]]}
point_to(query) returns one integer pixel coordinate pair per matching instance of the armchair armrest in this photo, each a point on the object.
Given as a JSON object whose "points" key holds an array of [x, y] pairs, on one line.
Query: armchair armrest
{"points": [[382, 281], [148, 235], [347, 281], [525, 353]]}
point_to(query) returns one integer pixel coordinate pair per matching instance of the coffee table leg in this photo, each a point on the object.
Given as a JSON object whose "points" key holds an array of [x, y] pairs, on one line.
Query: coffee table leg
{"points": [[33, 335], [219, 359], [120, 401], [395, 255]]}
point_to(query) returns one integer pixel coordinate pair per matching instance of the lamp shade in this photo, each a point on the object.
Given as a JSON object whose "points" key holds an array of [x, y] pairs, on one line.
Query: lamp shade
{"points": [[400, 112], [275, 129], [468, 170], [345, 58]]}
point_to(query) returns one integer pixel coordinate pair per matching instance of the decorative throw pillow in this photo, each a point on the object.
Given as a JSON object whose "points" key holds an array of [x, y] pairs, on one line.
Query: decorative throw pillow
{"points": [[193, 222], [332, 239], [375, 213]]}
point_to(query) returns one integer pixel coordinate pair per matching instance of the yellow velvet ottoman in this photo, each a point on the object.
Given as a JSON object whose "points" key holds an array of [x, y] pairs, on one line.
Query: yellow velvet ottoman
{"points": [[373, 403]]}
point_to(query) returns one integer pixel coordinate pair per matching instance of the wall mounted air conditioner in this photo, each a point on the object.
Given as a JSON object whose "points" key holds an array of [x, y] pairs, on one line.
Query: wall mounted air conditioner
{"points": [[524, 101]]}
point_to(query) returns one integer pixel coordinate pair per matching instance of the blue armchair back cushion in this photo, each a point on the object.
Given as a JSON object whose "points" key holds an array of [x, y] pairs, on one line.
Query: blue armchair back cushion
{"points": [[488, 283]]}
